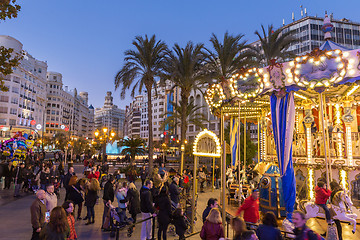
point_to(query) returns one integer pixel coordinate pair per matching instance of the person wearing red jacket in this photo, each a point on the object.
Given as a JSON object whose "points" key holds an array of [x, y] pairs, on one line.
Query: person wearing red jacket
{"points": [[321, 196], [94, 174], [250, 207]]}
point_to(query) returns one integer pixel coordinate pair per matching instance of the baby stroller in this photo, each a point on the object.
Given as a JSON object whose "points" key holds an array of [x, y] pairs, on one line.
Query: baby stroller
{"points": [[118, 220]]}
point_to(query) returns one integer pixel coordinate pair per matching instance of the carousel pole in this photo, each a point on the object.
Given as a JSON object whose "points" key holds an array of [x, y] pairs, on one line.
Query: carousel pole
{"points": [[238, 147], [222, 186], [258, 135], [213, 175], [324, 140], [327, 138], [223, 212], [244, 173], [193, 195]]}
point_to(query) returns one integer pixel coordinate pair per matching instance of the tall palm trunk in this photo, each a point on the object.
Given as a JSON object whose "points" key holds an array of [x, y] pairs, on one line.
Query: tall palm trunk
{"points": [[184, 102], [151, 150]]}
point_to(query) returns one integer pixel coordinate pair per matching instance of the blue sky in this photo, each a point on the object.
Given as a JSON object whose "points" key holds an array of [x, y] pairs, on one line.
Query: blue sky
{"points": [[85, 39]]}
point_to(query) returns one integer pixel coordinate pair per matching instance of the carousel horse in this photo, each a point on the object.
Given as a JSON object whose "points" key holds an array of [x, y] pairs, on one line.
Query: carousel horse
{"points": [[342, 206], [230, 176]]}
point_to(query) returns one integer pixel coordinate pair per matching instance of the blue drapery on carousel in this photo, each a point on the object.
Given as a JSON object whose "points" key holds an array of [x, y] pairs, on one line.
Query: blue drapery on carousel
{"points": [[283, 119], [234, 128]]}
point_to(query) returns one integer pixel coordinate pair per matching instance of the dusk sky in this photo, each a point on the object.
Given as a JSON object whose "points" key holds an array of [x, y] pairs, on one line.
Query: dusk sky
{"points": [[85, 40]]}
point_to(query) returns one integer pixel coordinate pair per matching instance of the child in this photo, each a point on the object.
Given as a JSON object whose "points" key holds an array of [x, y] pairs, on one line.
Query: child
{"points": [[179, 223], [321, 196]]}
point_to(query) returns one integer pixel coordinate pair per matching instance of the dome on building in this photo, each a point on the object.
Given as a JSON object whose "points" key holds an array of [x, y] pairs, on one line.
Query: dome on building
{"points": [[91, 106]]}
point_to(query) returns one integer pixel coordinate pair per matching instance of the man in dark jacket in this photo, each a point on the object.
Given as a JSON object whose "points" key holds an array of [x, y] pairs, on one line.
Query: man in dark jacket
{"points": [[8, 174], [212, 203], [147, 209], [38, 210], [108, 196], [18, 178], [174, 192], [66, 181]]}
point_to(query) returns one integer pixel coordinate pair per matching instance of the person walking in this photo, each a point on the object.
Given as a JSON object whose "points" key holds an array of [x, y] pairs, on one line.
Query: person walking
{"points": [[302, 231], [108, 198], [202, 179], [19, 178], [133, 197], [239, 226], [69, 209], [54, 174], [58, 227], [178, 220], [250, 208], [212, 228], [38, 210], [321, 196], [8, 174], [143, 175], [121, 193], [147, 209], [175, 191], [269, 230], [67, 178], [51, 198], [212, 203], [90, 199], [61, 170], [164, 215], [75, 194], [44, 178]]}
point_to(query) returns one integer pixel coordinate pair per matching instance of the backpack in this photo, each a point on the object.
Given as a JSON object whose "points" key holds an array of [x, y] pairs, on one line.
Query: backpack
{"points": [[306, 236]]}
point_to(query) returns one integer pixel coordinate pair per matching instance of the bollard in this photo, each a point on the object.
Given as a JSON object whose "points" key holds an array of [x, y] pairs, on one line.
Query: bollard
{"points": [[153, 229]]}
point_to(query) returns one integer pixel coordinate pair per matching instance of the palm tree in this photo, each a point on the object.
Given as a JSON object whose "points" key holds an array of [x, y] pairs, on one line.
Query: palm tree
{"points": [[193, 116], [133, 147], [274, 44], [185, 69], [142, 66], [229, 56]]}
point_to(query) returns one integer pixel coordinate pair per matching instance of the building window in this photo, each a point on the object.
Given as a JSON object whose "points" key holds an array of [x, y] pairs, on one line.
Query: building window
{"points": [[4, 99], [3, 121], [12, 122], [13, 111], [15, 89], [14, 100], [3, 110]]}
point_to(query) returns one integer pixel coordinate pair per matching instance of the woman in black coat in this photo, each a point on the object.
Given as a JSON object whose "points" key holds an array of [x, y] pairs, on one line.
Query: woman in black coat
{"points": [[91, 198], [164, 216], [133, 197], [179, 223], [75, 194]]}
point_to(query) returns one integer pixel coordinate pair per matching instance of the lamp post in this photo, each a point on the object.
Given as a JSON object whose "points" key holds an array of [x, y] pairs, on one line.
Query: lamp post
{"points": [[104, 135], [182, 159]]}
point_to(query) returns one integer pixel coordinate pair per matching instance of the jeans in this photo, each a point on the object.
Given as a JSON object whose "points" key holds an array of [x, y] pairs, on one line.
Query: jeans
{"points": [[146, 226], [162, 231], [327, 212], [17, 189], [90, 213], [106, 209]]}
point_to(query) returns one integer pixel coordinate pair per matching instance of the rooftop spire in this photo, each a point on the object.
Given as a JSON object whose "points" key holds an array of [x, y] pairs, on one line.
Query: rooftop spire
{"points": [[327, 27]]}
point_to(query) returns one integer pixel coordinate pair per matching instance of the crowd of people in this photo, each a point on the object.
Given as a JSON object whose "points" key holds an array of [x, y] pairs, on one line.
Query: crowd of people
{"points": [[160, 196]]}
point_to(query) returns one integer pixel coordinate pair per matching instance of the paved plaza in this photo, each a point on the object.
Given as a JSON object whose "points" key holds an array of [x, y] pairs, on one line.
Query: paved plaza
{"points": [[15, 218]]}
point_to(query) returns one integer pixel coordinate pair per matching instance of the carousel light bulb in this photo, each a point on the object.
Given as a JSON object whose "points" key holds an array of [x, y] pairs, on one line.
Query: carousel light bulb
{"points": [[346, 54]]}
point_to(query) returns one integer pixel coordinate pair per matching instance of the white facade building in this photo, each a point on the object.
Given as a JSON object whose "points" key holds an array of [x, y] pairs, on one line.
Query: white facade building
{"points": [[110, 116], [66, 110], [26, 99]]}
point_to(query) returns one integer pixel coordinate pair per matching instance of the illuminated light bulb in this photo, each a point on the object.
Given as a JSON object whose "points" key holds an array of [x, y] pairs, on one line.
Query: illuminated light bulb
{"points": [[322, 58], [317, 62], [311, 60], [297, 72], [350, 66], [351, 61], [352, 72], [304, 57], [329, 53], [289, 80], [291, 63], [261, 71], [287, 70], [338, 59], [341, 65], [298, 59], [312, 85], [337, 51], [346, 54], [266, 84]]}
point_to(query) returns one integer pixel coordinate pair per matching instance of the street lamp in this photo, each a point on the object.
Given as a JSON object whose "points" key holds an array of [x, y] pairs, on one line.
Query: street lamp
{"points": [[104, 135]]}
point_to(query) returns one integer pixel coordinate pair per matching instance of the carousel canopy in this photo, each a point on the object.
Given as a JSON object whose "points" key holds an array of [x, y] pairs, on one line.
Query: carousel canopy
{"points": [[332, 69]]}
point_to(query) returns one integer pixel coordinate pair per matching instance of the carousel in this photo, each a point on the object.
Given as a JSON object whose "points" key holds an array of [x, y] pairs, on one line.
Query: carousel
{"points": [[308, 116]]}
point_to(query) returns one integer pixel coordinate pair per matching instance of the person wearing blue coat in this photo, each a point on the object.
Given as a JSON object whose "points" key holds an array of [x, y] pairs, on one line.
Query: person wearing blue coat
{"points": [[269, 230]]}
